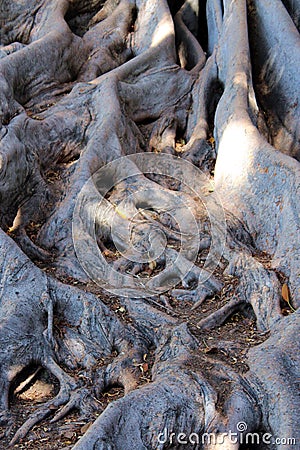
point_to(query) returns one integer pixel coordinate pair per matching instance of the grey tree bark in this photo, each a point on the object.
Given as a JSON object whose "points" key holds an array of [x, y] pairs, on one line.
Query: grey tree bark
{"points": [[200, 99]]}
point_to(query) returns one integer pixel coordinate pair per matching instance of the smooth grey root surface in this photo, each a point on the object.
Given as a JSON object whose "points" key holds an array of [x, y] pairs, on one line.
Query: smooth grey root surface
{"points": [[210, 84]]}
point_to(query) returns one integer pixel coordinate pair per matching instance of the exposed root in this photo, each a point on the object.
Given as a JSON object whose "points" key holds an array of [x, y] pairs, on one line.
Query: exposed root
{"points": [[84, 84]]}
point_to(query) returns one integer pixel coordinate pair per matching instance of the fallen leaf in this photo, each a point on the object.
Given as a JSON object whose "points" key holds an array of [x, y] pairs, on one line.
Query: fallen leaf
{"points": [[85, 427], [69, 435], [285, 293], [145, 367], [152, 265], [286, 311]]}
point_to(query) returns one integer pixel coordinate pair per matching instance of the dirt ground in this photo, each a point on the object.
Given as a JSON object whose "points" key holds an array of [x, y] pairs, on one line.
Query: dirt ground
{"points": [[228, 343]]}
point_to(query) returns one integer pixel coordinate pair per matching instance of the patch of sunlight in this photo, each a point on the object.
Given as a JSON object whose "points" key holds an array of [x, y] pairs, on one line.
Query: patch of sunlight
{"points": [[164, 29], [233, 151], [38, 392], [240, 78]]}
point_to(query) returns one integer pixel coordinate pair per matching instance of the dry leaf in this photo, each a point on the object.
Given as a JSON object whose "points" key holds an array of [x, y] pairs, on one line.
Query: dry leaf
{"points": [[68, 435], [285, 293], [152, 265], [85, 427], [145, 367]]}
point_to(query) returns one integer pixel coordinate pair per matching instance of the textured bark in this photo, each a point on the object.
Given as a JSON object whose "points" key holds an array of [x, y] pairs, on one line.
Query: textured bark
{"points": [[208, 91]]}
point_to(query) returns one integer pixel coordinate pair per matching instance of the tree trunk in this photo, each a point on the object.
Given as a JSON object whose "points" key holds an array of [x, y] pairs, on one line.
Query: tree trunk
{"points": [[150, 220]]}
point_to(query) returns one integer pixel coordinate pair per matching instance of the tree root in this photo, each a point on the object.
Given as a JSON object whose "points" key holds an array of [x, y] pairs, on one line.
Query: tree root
{"points": [[84, 84], [83, 313]]}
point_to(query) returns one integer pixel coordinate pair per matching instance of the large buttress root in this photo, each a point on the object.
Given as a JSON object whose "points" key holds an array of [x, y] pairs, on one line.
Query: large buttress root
{"points": [[28, 317], [245, 160], [194, 400]]}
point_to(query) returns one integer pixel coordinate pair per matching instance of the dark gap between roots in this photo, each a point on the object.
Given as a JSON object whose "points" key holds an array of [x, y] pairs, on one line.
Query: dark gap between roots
{"points": [[216, 91], [78, 17], [202, 26], [33, 384]]}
